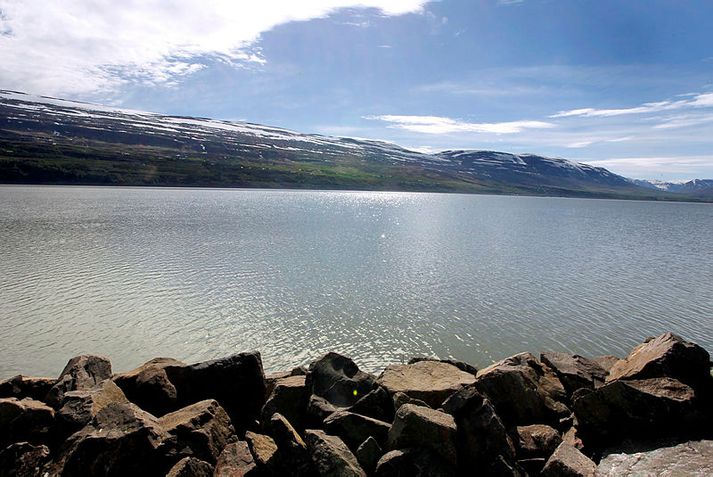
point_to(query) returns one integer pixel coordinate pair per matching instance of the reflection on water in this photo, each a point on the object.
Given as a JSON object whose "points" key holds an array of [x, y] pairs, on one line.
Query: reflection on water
{"points": [[196, 274]]}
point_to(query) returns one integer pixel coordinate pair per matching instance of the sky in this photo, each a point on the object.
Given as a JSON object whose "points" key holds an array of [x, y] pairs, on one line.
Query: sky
{"points": [[626, 85]]}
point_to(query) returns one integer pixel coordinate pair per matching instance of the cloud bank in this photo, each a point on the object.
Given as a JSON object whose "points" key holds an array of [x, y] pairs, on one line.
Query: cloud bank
{"points": [[443, 125]]}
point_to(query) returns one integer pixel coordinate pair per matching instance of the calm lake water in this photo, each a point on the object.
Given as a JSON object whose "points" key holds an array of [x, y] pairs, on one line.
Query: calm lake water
{"points": [[196, 274]]}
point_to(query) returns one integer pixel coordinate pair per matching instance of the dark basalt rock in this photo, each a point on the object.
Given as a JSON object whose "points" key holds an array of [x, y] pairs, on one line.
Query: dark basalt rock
{"points": [[338, 379], [575, 372], [400, 399], [21, 387], [80, 373], [368, 454], [319, 409], [25, 420], [148, 386], [22, 459], [606, 362], [78, 408], [423, 428], [236, 461], [377, 404], [293, 458], [567, 461], [355, 428], [191, 467], [458, 364], [331, 456], [289, 398], [536, 440], [413, 463]]}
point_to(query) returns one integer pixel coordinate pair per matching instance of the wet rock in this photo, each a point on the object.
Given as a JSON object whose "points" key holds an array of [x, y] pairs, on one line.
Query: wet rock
{"points": [[523, 391], [289, 398], [377, 404], [292, 455], [338, 379], [25, 420], [319, 409], [537, 440], [667, 355], [80, 407], [429, 381], [21, 387], [236, 461], [263, 449], [121, 440], [574, 372], [567, 461], [191, 467], [355, 429], [606, 362], [200, 430], [458, 364], [483, 442], [413, 463], [643, 409], [149, 387], [80, 373], [22, 459], [368, 454], [400, 399], [423, 428], [331, 456], [691, 458]]}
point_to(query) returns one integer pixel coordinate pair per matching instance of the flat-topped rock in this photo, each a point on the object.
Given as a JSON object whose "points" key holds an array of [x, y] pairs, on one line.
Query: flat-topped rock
{"points": [[290, 398], [574, 371], [424, 428], [430, 381], [691, 459]]}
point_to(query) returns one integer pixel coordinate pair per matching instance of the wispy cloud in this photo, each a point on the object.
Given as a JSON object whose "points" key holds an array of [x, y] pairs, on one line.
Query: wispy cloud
{"points": [[443, 125], [696, 101], [84, 46], [650, 166]]}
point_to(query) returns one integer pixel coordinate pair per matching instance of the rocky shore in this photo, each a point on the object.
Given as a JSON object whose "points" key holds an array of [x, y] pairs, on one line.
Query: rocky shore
{"points": [[650, 413]]}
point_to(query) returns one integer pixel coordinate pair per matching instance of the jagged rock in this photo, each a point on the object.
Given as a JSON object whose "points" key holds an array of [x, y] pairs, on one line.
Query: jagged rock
{"points": [[533, 465], [149, 387], [400, 399], [292, 455], [483, 442], [21, 387], [22, 459], [571, 437], [606, 362], [331, 456], [236, 382], [413, 463], [537, 440], [122, 440], [25, 420], [191, 467], [272, 378], [338, 380], [429, 381], [574, 372], [458, 364], [368, 454], [377, 404], [665, 356], [690, 459], [80, 373], [200, 430], [355, 429], [263, 449], [319, 409], [523, 391], [290, 398], [644, 409], [80, 407], [423, 428], [236, 461], [567, 461]]}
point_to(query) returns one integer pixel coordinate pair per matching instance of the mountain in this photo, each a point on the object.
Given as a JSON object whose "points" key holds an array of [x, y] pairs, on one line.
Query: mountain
{"points": [[47, 140], [695, 187]]}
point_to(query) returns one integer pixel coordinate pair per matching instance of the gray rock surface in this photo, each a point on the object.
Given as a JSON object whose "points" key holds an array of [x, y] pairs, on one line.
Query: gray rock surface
{"points": [[430, 381], [688, 459]]}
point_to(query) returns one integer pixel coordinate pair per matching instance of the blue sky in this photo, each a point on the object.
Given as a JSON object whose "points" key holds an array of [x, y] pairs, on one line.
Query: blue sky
{"points": [[627, 85]]}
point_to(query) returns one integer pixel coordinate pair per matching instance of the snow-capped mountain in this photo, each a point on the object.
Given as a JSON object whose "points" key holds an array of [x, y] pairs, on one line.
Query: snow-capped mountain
{"points": [[692, 187]]}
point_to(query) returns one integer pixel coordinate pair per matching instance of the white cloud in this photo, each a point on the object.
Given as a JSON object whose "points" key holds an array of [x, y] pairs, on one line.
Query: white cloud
{"points": [[697, 101], [84, 46], [442, 125], [638, 166]]}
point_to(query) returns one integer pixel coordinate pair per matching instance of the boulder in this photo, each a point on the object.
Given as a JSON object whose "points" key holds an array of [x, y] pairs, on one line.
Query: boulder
{"points": [[642, 409], [289, 398], [80, 373], [429, 381], [537, 440], [413, 463], [574, 372], [292, 455], [368, 454], [355, 428], [606, 362], [263, 449], [22, 459], [665, 356], [331, 456], [423, 428], [690, 458], [483, 442], [567, 461], [319, 409], [377, 404], [571, 437], [338, 379], [121, 440], [400, 399], [80, 407], [236, 461], [272, 378], [532, 465], [149, 387], [523, 391], [25, 420], [200, 430], [458, 364], [191, 467], [21, 387]]}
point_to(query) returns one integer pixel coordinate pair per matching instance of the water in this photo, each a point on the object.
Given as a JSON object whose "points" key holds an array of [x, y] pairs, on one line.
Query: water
{"points": [[197, 274]]}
